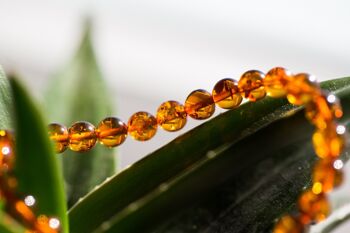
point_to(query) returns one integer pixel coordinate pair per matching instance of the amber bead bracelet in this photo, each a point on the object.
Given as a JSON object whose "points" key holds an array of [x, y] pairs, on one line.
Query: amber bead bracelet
{"points": [[322, 110]]}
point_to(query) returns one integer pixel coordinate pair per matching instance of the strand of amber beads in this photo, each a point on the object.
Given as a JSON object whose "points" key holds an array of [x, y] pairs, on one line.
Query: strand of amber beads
{"points": [[322, 110], [171, 116]]}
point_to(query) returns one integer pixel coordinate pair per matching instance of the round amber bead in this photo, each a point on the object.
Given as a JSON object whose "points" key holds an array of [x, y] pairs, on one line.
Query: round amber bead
{"points": [[6, 150], [199, 105], [322, 110], [251, 85], [302, 89], [171, 116], [275, 82], [82, 136], [328, 143], [313, 207], [142, 126], [325, 177], [58, 134], [288, 224], [226, 94], [111, 132]]}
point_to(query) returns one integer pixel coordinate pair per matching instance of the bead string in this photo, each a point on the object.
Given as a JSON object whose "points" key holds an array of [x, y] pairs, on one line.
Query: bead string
{"points": [[20, 209], [322, 110]]}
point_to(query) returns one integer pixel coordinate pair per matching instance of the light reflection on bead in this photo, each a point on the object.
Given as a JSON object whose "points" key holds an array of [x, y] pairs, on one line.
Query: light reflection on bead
{"points": [[275, 82], [112, 132], [142, 126], [82, 136], [251, 85], [338, 164], [171, 116], [54, 223], [341, 129], [29, 200], [199, 104], [226, 94], [58, 134]]}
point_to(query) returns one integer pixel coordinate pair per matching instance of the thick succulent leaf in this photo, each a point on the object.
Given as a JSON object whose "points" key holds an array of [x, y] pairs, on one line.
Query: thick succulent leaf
{"points": [[36, 167], [79, 93], [224, 159], [5, 102]]}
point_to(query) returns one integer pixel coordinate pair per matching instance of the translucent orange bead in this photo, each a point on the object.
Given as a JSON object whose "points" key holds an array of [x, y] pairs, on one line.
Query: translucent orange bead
{"points": [[58, 134], [302, 89], [313, 207], [142, 126], [226, 94], [251, 85], [329, 143], [46, 225], [322, 110], [325, 176], [6, 150], [199, 104], [288, 224], [275, 82], [112, 132], [82, 136], [171, 116], [23, 211]]}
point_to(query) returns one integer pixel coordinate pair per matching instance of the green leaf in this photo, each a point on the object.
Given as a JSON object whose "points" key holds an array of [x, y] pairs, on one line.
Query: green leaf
{"points": [[250, 162], [36, 167], [10, 225], [5, 102], [79, 93], [5, 229]]}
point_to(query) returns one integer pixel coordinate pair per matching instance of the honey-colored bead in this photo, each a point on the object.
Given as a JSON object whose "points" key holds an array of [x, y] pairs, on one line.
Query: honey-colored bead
{"points": [[313, 207], [199, 105], [58, 134], [142, 126], [302, 89], [21, 210], [322, 110], [325, 177], [46, 225], [226, 94], [275, 82], [251, 85], [82, 136], [6, 150], [112, 132], [288, 224], [171, 116], [328, 143]]}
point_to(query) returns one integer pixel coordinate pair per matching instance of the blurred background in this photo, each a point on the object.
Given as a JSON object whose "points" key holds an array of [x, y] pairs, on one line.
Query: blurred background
{"points": [[152, 51]]}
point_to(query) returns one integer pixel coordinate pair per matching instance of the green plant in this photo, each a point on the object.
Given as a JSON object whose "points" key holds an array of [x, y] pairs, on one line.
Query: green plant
{"points": [[235, 173]]}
